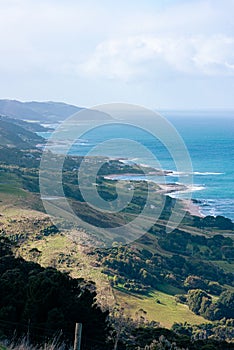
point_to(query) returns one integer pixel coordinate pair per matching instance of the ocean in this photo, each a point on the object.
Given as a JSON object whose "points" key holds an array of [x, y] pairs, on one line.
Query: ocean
{"points": [[209, 138]]}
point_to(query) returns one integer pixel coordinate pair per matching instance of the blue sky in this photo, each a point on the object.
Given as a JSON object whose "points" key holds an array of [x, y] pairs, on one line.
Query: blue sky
{"points": [[160, 54]]}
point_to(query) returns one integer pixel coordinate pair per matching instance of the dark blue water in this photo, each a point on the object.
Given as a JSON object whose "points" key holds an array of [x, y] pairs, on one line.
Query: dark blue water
{"points": [[209, 138]]}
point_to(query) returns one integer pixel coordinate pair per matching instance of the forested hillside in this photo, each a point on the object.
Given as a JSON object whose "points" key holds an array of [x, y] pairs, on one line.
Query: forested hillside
{"points": [[182, 280]]}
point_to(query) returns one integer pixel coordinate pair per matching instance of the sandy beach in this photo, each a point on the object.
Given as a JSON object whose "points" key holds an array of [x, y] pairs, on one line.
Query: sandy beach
{"points": [[192, 208], [188, 204]]}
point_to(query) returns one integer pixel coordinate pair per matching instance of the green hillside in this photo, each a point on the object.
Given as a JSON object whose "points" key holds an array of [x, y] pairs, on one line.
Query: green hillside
{"points": [[12, 134], [147, 274]]}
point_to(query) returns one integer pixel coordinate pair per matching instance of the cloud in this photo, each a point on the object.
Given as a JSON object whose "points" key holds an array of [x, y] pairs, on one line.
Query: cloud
{"points": [[101, 46], [119, 41], [142, 56]]}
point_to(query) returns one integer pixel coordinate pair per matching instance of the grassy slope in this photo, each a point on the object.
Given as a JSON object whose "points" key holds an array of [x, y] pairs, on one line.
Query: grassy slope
{"points": [[15, 135], [24, 225], [13, 198], [67, 254], [166, 312], [62, 252]]}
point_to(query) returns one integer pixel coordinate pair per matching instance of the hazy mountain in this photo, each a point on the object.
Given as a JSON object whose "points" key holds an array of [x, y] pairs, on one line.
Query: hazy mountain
{"points": [[14, 135], [48, 112], [34, 126], [39, 111]]}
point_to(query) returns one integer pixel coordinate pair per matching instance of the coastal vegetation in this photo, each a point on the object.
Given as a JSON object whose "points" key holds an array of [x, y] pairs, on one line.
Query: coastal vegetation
{"points": [[51, 279]]}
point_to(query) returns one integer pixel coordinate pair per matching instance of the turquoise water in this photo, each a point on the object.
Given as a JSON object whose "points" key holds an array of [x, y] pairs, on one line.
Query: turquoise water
{"points": [[209, 138], [210, 141]]}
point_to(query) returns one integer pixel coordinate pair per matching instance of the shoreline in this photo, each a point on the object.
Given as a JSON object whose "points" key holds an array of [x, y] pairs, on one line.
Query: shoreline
{"points": [[150, 173], [188, 204], [192, 208], [195, 207]]}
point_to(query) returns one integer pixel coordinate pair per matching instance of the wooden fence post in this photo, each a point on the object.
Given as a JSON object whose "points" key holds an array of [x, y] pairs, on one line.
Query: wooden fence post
{"points": [[78, 332]]}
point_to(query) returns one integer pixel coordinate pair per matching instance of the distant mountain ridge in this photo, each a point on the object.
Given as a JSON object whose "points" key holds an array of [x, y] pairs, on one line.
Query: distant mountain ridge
{"points": [[48, 112], [20, 134], [33, 127], [45, 112]]}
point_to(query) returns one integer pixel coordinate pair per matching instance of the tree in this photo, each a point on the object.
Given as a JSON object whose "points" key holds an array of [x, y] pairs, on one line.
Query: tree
{"points": [[49, 299], [122, 326], [226, 304], [197, 300], [194, 282]]}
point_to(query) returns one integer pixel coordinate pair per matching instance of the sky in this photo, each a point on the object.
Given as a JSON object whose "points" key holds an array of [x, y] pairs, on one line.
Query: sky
{"points": [[175, 54]]}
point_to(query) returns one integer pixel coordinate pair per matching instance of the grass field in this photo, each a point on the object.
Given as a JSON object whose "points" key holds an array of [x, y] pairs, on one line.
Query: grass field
{"points": [[10, 185], [60, 251], [166, 311], [66, 255], [6, 188]]}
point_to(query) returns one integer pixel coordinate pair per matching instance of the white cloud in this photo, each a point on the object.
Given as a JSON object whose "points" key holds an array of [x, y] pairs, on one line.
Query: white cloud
{"points": [[141, 56], [101, 45], [117, 41], [215, 55]]}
